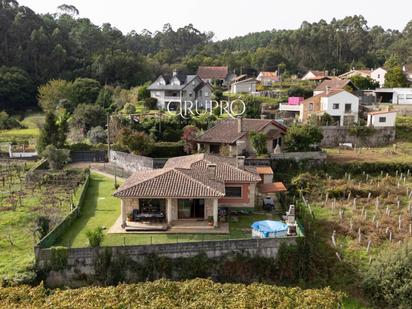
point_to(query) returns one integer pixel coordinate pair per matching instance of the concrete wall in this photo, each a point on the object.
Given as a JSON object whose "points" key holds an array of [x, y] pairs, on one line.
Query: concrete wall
{"points": [[381, 136], [81, 261], [130, 162]]}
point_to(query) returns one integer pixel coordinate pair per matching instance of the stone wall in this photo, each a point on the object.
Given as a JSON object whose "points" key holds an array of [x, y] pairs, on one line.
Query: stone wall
{"points": [[332, 136], [130, 162], [298, 156], [80, 262]]}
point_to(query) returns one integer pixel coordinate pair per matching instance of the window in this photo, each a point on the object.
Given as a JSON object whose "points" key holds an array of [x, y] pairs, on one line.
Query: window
{"points": [[379, 76], [348, 108], [409, 96], [233, 191], [206, 94], [310, 106], [382, 119], [335, 105], [200, 93], [190, 94]]}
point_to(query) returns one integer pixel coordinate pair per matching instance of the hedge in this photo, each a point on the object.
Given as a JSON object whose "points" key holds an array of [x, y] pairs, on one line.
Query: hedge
{"points": [[51, 238], [167, 150], [198, 293]]}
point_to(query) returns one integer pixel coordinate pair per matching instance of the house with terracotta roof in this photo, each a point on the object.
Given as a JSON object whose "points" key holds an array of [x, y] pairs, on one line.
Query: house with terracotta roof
{"points": [[218, 74], [356, 72], [407, 71], [231, 136], [178, 88], [333, 84], [316, 75], [381, 119], [340, 104], [268, 78], [191, 189]]}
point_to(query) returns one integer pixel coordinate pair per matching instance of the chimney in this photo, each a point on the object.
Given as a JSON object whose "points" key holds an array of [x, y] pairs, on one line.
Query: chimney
{"points": [[327, 89], [240, 160], [262, 116], [174, 72], [326, 73], [239, 124], [211, 171]]}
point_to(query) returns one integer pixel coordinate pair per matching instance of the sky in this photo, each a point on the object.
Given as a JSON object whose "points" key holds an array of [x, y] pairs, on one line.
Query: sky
{"points": [[229, 18]]}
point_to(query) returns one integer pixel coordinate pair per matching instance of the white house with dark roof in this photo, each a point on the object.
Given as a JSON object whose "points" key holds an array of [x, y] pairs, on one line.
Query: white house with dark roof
{"points": [[179, 88], [191, 189]]}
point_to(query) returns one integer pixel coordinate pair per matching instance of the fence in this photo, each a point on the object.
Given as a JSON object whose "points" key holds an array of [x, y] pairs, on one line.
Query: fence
{"points": [[299, 156], [88, 156], [51, 238]]}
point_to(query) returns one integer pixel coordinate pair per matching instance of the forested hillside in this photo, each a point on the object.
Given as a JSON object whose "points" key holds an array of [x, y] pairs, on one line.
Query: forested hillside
{"points": [[35, 48]]}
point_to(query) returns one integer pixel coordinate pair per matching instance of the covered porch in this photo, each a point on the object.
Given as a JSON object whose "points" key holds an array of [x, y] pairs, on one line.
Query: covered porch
{"points": [[166, 213]]}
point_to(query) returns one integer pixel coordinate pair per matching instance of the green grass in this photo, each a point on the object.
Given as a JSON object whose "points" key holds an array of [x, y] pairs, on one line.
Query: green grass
{"points": [[33, 121], [101, 209]]}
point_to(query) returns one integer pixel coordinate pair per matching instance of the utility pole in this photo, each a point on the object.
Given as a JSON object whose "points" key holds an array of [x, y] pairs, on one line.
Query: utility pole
{"points": [[108, 136]]}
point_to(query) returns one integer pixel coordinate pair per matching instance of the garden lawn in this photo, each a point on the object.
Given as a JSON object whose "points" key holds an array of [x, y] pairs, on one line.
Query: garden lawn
{"points": [[100, 208]]}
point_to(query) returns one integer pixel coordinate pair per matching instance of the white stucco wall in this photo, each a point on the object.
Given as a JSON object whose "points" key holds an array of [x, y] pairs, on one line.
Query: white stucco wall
{"points": [[341, 98], [379, 76], [390, 119]]}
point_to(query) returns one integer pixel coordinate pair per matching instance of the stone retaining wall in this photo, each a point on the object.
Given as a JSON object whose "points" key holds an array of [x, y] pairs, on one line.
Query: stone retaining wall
{"points": [[381, 136], [82, 260], [130, 162]]}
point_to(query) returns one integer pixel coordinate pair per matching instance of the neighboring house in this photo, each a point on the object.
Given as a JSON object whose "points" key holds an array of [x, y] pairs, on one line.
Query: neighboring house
{"points": [[179, 88], [340, 104], [378, 75], [382, 119], [315, 75], [268, 78], [394, 95], [232, 136], [353, 72], [334, 83], [293, 107], [244, 86], [212, 74], [194, 187], [407, 70]]}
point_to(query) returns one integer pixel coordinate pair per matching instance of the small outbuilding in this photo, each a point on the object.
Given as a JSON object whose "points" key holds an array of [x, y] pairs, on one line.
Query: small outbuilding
{"points": [[382, 119]]}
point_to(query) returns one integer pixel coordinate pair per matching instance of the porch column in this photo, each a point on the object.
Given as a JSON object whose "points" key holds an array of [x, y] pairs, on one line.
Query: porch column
{"points": [[215, 213], [169, 210], [123, 212]]}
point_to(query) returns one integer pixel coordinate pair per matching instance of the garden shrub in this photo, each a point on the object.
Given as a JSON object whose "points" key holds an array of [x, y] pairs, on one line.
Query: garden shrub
{"points": [[95, 237], [168, 150], [388, 280], [58, 258]]}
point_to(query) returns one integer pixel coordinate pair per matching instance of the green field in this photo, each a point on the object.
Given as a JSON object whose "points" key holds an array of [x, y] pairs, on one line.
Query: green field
{"points": [[101, 209]]}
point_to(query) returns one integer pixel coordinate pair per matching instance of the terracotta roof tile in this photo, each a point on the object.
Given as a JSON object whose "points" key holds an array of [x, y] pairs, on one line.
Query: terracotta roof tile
{"points": [[273, 187], [205, 72], [264, 170], [334, 83], [186, 176], [226, 131]]}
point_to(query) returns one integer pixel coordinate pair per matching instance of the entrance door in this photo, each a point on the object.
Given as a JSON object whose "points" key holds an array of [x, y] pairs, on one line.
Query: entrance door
{"points": [[191, 208]]}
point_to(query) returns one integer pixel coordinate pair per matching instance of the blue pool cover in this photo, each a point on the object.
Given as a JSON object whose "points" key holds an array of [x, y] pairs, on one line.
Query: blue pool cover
{"points": [[268, 226]]}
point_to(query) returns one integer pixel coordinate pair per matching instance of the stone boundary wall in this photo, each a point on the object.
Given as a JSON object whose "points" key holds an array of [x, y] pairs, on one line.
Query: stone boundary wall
{"points": [[299, 156], [130, 162], [333, 135], [83, 260]]}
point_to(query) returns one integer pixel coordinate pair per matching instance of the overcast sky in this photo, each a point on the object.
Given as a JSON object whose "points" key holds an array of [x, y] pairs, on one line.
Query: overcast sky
{"points": [[229, 18]]}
